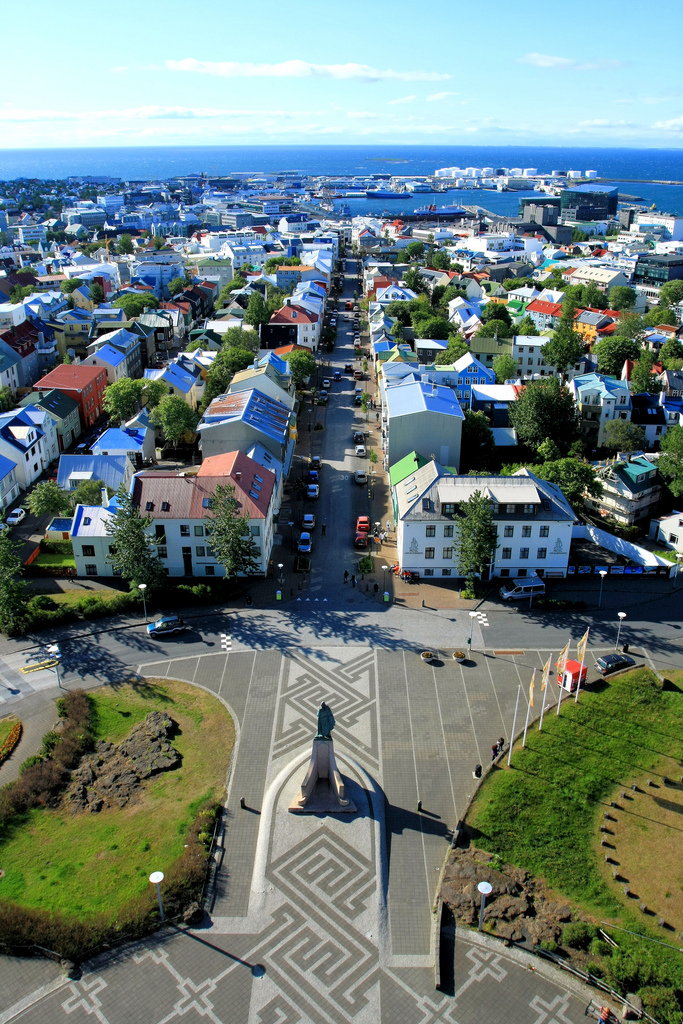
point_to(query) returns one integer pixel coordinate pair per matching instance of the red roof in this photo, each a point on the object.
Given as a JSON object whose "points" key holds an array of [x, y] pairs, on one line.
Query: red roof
{"points": [[290, 314], [541, 306], [185, 495], [69, 375], [255, 483], [284, 350]]}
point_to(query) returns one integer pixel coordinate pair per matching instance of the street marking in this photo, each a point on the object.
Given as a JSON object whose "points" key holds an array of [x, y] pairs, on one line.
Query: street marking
{"points": [[38, 665], [509, 652], [226, 642]]}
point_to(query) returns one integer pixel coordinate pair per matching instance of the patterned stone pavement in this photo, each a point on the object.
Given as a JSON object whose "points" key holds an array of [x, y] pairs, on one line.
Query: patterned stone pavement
{"points": [[328, 919]]}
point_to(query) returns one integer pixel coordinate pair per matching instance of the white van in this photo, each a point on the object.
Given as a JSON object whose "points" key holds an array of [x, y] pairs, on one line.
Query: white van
{"points": [[523, 586]]}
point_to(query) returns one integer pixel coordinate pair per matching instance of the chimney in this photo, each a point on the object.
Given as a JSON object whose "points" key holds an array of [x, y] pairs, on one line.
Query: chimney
{"points": [[105, 497], [238, 474]]}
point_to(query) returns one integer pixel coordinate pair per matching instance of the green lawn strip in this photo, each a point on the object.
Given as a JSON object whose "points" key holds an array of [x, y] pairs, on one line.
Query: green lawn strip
{"points": [[76, 594], [45, 558], [87, 863], [544, 814], [6, 726]]}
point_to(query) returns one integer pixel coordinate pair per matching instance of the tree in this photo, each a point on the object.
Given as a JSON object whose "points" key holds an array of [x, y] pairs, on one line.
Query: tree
{"points": [[671, 293], [457, 346], [231, 538], [153, 391], [477, 537], [549, 451], [6, 398], [643, 379], [47, 499], [302, 365], [69, 286], [495, 311], [660, 315], [592, 296], [281, 261], [631, 326], [565, 348], [415, 250], [158, 242], [671, 350], [612, 353], [435, 327], [527, 328], [135, 305], [477, 447], [97, 293], [88, 492], [545, 409], [176, 285], [132, 552], [12, 587], [227, 363], [441, 261], [125, 246], [400, 311], [621, 297], [574, 477], [257, 313], [20, 292], [121, 398], [623, 436], [505, 368], [175, 417], [496, 329], [414, 280], [671, 460]]}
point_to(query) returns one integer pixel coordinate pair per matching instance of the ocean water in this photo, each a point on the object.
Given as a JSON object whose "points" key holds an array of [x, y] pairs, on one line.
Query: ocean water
{"points": [[150, 163]]}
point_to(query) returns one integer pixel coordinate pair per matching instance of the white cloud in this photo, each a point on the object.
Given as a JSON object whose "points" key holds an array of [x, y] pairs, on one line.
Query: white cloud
{"points": [[603, 122], [545, 60], [401, 99], [675, 124], [436, 96], [299, 69], [361, 114]]}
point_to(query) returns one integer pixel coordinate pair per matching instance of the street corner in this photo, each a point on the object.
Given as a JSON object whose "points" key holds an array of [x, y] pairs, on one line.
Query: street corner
{"points": [[27, 671]]}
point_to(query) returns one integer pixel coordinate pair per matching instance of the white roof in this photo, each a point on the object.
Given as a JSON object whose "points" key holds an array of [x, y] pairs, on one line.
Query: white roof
{"points": [[81, 476]]}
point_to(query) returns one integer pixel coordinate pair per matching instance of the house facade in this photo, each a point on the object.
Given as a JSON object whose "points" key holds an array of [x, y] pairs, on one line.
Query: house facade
{"points": [[63, 410], [632, 489], [599, 399], [85, 384]]}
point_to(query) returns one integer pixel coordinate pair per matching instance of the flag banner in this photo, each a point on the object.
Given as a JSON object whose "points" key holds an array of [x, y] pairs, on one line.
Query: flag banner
{"points": [[562, 659], [546, 673], [581, 647], [531, 690]]}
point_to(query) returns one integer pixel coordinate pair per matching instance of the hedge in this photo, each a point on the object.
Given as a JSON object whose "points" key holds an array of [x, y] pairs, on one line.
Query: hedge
{"points": [[10, 741]]}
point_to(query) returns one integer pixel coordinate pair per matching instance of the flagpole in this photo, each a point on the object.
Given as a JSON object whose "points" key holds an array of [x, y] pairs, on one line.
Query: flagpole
{"points": [[514, 723], [559, 696], [584, 643], [544, 685], [562, 665], [528, 709]]}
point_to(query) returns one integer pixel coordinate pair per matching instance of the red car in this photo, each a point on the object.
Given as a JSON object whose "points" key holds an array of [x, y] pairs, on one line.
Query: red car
{"points": [[363, 524], [361, 540]]}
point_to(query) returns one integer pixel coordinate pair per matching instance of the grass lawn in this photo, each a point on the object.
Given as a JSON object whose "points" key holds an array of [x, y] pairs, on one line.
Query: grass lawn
{"points": [[6, 725], [61, 560], [86, 863], [544, 815], [75, 594]]}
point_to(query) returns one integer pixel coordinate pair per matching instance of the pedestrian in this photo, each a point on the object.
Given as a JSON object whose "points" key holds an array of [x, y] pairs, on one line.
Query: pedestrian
{"points": [[494, 751], [323, 529], [388, 525], [346, 575], [377, 417], [353, 579], [501, 744]]}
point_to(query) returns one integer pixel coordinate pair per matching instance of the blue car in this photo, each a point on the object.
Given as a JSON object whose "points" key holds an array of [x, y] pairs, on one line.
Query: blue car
{"points": [[167, 625], [305, 544]]}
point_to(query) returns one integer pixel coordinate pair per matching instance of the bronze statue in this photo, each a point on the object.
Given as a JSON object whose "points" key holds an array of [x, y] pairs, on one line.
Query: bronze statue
{"points": [[325, 722]]}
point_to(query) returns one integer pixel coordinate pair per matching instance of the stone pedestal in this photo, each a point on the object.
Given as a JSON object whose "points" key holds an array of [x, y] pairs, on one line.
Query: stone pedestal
{"points": [[323, 790]]}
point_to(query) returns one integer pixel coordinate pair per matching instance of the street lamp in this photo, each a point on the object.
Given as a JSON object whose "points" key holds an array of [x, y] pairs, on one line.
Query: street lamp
{"points": [[384, 578], [622, 616], [282, 575], [142, 587], [156, 878], [473, 616], [603, 573], [54, 650], [485, 888]]}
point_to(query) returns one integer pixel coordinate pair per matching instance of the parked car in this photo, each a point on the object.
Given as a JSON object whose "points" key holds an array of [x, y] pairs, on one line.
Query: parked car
{"points": [[358, 437], [308, 522], [313, 476], [363, 524], [612, 663], [304, 545], [315, 462], [167, 625], [361, 540], [360, 451], [313, 491], [360, 476], [336, 375], [327, 383], [15, 516], [357, 400], [358, 375]]}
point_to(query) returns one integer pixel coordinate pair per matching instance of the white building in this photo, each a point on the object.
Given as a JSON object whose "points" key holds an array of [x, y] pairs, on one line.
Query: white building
{"points": [[668, 530]]}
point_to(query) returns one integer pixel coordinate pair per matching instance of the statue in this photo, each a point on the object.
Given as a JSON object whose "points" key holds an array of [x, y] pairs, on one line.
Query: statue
{"points": [[325, 722]]}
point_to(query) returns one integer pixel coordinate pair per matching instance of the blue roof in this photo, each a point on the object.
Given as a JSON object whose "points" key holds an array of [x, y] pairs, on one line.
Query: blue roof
{"points": [[281, 365], [109, 355], [602, 189], [116, 439], [412, 397], [6, 467], [110, 469]]}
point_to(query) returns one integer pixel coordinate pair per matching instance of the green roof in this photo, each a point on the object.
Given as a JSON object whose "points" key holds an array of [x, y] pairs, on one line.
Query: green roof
{"points": [[405, 466], [491, 346]]}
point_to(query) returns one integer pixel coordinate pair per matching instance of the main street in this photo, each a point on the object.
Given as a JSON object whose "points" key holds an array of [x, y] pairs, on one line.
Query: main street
{"points": [[336, 913]]}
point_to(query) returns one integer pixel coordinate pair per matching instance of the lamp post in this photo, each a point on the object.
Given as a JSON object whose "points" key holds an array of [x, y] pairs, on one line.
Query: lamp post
{"points": [[142, 587], [282, 575], [603, 573], [473, 616], [54, 650], [156, 878], [384, 578], [622, 616], [485, 888]]}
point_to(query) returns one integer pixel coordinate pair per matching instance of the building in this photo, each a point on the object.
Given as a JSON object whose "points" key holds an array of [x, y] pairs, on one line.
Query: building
{"points": [[589, 202], [239, 421], [632, 489], [306, 322], [23, 443], [85, 384], [423, 417], [599, 399], [649, 413], [545, 315], [652, 271], [9, 485], [63, 409], [668, 530], [603, 278], [533, 519]]}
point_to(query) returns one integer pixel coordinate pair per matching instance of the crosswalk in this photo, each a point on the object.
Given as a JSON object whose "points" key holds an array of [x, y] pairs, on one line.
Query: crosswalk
{"points": [[226, 642]]}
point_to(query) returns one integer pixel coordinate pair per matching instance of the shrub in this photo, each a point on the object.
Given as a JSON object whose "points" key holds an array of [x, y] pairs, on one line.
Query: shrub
{"points": [[550, 945], [579, 934], [599, 947], [661, 1002], [29, 762], [365, 564], [50, 741], [10, 741], [41, 603]]}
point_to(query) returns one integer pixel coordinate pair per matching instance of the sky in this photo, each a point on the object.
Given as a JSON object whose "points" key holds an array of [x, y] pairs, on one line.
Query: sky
{"points": [[220, 72]]}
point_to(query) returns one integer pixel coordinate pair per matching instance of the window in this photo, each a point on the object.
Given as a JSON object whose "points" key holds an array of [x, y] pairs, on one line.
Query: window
{"points": [[510, 510], [149, 506], [448, 507], [426, 505], [88, 550], [199, 531], [673, 539], [255, 531], [509, 531], [162, 551], [429, 552], [541, 553], [209, 570], [429, 572], [523, 553], [184, 531], [506, 553], [90, 569], [504, 572], [446, 572], [544, 531], [526, 531], [448, 531], [529, 510], [207, 503], [430, 531], [165, 507], [112, 549], [447, 553], [200, 551], [87, 520]]}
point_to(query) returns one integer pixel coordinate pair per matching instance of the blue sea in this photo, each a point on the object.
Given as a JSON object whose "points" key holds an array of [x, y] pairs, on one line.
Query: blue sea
{"points": [[150, 163]]}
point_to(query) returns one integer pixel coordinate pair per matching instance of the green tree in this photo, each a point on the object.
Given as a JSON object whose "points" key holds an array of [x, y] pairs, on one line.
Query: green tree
{"points": [[495, 311], [69, 286], [527, 328], [435, 327], [505, 368], [477, 447], [592, 296], [125, 246], [671, 350], [97, 293], [477, 537], [257, 313], [671, 293], [643, 379], [613, 351], [135, 305], [660, 315], [548, 451], [621, 297], [415, 250], [133, 551], [88, 492], [441, 261], [12, 586], [121, 398], [302, 365], [231, 538], [622, 436], [175, 417], [6, 398], [565, 348], [274, 300], [20, 292], [400, 311], [457, 346], [671, 460], [414, 280], [158, 242], [153, 391], [496, 329], [574, 477], [176, 285], [227, 363], [545, 409], [631, 326], [281, 261], [47, 499]]}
